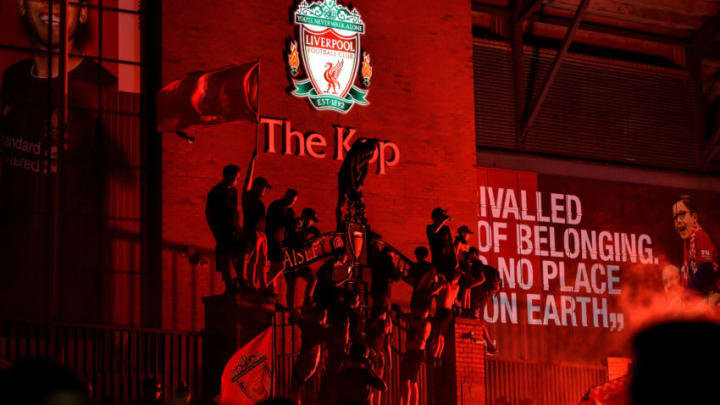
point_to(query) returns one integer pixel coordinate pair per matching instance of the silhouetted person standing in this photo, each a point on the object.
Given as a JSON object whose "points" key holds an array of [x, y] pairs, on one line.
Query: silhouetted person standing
{"points": [[253, 191], [421, 267], [256, 261], [489, 286], [280, 213], [383, 272], [315, 333], [418, 332], [221, 213], [447, 296], [425, 282], [461, 246], [378, 339], [356, 379], [441, 242], [254, 226]]}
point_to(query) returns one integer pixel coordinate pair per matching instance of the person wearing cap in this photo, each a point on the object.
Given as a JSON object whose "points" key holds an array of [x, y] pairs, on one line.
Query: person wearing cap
{"points": [[305, 229], [221, 213], [484, 282], [441, 242], [280, 214], [254, 260], [460, 245], [253, 191]]}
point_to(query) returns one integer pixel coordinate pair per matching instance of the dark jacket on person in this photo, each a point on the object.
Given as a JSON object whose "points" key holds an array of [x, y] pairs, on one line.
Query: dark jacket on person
{"points": [[355, 382]]}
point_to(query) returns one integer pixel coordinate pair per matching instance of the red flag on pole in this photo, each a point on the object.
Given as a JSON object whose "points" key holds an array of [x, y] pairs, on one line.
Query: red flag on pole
{"points": [[247, 377], [209, 97]]}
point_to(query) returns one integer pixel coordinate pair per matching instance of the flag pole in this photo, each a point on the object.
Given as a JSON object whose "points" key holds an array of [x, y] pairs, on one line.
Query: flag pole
{"points": [[257, 117]]}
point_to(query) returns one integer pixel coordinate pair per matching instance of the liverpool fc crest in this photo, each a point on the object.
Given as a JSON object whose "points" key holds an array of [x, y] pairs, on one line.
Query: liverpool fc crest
{"points": [[330, 47]]}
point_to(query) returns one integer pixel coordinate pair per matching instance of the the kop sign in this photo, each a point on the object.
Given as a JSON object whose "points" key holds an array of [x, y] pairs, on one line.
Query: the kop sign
{"points": [[330, 50]]}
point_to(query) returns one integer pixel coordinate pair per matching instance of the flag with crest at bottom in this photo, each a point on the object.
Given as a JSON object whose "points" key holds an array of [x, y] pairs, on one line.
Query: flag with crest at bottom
{"points": [[247, 376]]}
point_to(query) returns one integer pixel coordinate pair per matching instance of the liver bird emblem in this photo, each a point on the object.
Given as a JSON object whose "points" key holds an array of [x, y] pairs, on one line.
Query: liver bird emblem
{"points": [[331, 76]]}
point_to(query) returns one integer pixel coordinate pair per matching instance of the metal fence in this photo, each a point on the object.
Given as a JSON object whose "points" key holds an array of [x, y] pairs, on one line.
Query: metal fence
{"points": [[539, 383], [287, 346], [116, 361], [113, 360]]}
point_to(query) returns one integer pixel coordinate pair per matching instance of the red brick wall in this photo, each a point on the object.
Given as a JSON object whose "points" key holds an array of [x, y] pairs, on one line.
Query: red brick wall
{"points": [[421, 98], [470, 362]]}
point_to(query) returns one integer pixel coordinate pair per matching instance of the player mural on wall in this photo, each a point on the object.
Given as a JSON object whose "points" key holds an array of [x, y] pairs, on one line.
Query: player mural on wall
{"points": [[31, 98], [58, 141], [699, 272]]}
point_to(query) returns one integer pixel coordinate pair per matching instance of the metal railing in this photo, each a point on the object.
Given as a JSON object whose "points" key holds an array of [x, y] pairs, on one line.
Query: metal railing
{"points": [[539, 383], [287, 346], [116, 360], [113, 360]]}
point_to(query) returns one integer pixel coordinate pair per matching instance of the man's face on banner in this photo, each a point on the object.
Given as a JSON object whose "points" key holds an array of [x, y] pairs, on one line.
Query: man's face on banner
{"points": [[671, 280], [685, 222], [43, 22]]}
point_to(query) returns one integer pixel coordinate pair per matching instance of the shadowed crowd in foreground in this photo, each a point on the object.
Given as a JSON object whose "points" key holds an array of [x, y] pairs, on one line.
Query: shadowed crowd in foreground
{"points": [[674, 363]]}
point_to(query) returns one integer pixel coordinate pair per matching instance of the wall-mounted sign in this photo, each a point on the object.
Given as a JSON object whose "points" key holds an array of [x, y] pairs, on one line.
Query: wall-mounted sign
{"points": [[315, 145], [330, 48], [588, 262]]}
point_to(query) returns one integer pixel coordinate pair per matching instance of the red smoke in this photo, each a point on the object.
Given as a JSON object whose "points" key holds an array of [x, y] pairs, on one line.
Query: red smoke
{"points": [[650, 295]]}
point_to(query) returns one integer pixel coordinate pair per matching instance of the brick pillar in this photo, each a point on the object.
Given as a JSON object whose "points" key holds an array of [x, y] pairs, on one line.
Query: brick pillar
{"points": [[442, 376], [470, 361]]}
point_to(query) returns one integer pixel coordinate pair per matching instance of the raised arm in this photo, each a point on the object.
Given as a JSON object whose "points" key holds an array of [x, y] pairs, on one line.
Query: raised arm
{"points": [[388, 341], [457, 245], [430, 282], [440, 225], [440, 285], [375, 381], [437, 288], [263, 262], [478, 282]]}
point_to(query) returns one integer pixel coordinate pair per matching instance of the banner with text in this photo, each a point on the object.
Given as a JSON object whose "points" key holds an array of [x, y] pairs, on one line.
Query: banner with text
{"points": [[582, 261]]}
